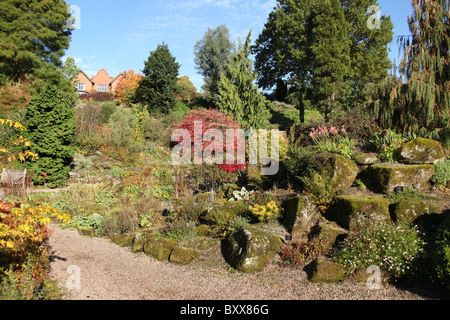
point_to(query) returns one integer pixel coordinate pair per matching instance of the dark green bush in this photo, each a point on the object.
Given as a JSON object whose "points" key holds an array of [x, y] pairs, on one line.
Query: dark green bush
{"points": [[51, 126]]}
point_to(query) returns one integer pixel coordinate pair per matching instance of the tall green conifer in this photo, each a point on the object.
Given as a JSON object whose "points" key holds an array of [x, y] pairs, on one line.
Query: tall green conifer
{"points": [[238, 95], [51, 127], [33, 37], [159, 83]]}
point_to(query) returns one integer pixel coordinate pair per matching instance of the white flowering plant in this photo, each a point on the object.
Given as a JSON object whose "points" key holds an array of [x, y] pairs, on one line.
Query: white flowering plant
{"points": [[393, 247]]}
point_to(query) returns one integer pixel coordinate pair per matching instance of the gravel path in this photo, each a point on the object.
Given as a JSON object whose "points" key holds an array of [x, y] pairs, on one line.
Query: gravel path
{"points": [[110, 272]]}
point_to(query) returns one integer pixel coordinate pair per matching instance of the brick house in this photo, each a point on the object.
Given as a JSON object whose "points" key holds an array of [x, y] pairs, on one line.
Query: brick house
{"points": [[101, 82]]}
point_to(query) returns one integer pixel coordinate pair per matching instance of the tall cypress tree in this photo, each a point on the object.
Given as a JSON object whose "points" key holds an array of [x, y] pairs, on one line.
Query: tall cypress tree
{"points": [[420, 105], [159, 83], [238, 95]]}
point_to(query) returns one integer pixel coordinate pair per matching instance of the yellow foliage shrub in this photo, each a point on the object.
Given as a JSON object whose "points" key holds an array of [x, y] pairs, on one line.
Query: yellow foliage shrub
{"points": [[265, 213], [24, 229]]}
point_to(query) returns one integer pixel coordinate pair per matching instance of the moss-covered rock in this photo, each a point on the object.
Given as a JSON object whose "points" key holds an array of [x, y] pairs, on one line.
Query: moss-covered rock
{"points": [[385, 177], [409, 210], [250, 249], [298, 214], [356, 212], [139, 240], [367, 159], [422, 151], [341, 170], [159, 248], [223, 211], [325, 270], [182, 255], [328, 232], [123, 240]]}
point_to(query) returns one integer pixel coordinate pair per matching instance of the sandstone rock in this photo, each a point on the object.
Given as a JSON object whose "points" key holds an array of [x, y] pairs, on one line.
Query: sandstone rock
{"points": [[123, 240], [422, 151], [298, 214], [181, 255], [328, 232], [326, 270], [139, 240], [388, 176], [250, 249], [367, 159], [223, 210], [409, 210], [356, 212], [159, 248], [341, 170]]}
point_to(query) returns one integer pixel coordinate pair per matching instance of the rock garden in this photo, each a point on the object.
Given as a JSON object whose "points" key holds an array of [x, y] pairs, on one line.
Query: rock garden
{"points": [[333, 214]]}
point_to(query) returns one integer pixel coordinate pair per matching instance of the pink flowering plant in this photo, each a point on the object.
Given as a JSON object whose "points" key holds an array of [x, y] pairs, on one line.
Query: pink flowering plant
{"points": [[333, 140]]}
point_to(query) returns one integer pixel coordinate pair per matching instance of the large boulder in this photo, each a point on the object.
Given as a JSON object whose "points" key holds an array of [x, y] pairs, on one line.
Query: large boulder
{"points": [[409, 210], [250, 249], [223, 211], [386, 177], [159, 248], [422, 151], [325, 270], [299, 214], [341, 170], [356, 212]]}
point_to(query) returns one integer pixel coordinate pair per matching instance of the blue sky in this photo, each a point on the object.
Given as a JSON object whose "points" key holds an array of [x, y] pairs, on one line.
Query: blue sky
{"points": [[119, 35]]}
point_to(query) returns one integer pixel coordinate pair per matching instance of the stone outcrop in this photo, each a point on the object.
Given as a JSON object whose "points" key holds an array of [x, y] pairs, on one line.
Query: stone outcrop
{"points": [[159, 248], [386, 177], [342, 171], [223, 210], [325, 270], [409, 210], [298, 214], [356, 212], [181, 255], [250, 249], [422, 151]]}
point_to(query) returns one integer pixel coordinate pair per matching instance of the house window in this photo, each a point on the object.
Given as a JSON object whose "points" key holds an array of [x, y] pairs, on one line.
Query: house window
{"points": [[101, 88], [81, 86]]}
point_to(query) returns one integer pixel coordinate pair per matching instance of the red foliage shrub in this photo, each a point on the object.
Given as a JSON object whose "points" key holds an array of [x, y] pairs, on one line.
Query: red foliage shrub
{"points": [[210, 119]]}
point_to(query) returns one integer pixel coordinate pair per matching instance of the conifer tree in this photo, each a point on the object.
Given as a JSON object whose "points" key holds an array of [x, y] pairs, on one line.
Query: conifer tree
{"points": [[33, 37], [288, 48], [158, 86], [331, 50], [50, 119], [421, 105], [238, 95]]}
